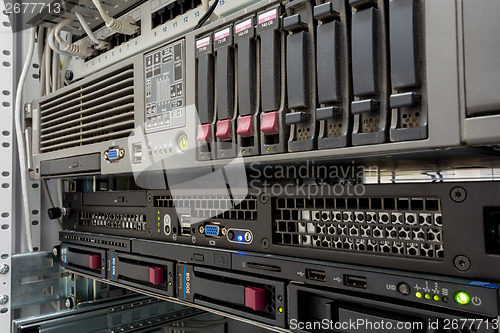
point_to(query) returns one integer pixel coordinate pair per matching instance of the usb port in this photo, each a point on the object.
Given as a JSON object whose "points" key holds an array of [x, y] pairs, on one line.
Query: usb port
{"points": [[185, 231], [186, 225], [315, 275], [355, 281]]}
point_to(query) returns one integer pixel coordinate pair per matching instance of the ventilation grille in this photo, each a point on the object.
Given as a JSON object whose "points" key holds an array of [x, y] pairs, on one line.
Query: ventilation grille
{"points": [[113, 221], [207, 206], [92, 240], [95, 111], [410, 227]]}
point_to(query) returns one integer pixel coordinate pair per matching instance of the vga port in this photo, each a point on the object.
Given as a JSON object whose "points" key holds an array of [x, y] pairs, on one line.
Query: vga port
{"points": [[212, 230], [114, 154]]}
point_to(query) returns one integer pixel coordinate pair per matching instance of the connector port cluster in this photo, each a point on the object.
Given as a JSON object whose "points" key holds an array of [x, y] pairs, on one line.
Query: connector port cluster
{"points": [[115, 40], [172, 10]]}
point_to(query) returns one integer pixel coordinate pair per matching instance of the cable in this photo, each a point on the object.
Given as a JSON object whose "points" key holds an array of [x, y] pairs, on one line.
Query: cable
{"points": [[18, 112], [54, 47], [46, 192], [87, 29], [83, 49], [47, 65], [40, 40], [207, 15], [42, 72], [206, 6], [124, 26], [55, 71]]}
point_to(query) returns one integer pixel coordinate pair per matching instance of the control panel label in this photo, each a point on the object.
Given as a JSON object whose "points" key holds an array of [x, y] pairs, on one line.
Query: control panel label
{"points": [[223, 37], [268, 20], [244, 29], [164, 82], [204, 45]]}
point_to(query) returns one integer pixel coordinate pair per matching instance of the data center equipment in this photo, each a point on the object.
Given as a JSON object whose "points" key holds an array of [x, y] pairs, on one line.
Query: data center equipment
{"points": [[182, 135], [416, 227], [260, 287], [274, 82]]}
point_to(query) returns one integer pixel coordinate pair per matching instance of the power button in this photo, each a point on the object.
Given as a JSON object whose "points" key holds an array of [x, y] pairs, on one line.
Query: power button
{"points": [[182, 143]]}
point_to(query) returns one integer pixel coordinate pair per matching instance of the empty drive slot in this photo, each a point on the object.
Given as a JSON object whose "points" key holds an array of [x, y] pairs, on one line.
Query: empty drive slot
{"points": [[315, 275], [355, 281]]}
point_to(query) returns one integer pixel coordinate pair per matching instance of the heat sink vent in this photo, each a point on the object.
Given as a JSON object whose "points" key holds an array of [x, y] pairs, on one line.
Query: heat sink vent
{"points": [[409, 227], [93, 111]]}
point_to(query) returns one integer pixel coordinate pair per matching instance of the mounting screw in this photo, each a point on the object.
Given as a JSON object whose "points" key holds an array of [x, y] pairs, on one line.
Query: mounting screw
{"points": [[265, 243], [4, 269], [69, 75], [69, 302], [55, 250], [458, 194], [264, 198], [4, 299], [201, 229], [462, 263]]}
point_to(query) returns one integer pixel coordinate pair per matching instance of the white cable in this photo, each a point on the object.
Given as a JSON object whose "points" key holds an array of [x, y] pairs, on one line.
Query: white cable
{"points": [[124, 26], [55, 47], [83, 49], [87, 29], [18, 112], [65, 62], [42, 71], [55, 71], [48, 63], [206, 6]]}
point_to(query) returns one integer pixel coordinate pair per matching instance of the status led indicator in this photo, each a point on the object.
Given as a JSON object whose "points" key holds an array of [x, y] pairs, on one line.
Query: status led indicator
{"points": [[240, 238], [462, 298], [427, 296], [418, 294], [436, 298]]}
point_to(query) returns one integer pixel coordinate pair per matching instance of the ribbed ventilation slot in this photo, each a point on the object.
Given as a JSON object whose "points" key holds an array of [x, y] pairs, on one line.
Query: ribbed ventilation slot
{"points": [[98, 110]]}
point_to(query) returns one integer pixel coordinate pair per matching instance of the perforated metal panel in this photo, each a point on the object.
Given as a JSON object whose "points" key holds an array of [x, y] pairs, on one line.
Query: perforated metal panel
{"points": [[387, 226], [206, 206]]}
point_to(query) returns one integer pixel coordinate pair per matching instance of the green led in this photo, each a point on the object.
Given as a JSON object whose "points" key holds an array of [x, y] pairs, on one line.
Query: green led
{"points": [[427, 296], [267, 148], [418, 294], [280, 310], [244, 151], [436, 298], [462, 298]]}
